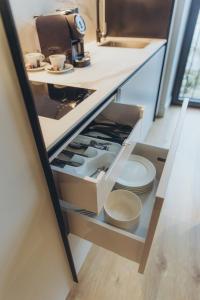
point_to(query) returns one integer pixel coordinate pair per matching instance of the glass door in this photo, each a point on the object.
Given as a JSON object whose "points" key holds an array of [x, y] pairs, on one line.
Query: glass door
{"points": [[187, 83]]}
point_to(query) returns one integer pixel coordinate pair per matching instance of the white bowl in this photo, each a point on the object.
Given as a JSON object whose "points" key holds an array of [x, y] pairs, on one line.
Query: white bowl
{"points": [[122, 209]]}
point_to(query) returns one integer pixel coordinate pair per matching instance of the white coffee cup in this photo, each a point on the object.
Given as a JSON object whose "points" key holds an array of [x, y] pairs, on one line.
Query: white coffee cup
{"points": [[33, 60], [57, 61]]}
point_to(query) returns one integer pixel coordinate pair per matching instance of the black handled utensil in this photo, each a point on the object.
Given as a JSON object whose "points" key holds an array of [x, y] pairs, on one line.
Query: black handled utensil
{"points": [[75, 145], [70, 154], [93, 143], [57, 162], [111, 139]]}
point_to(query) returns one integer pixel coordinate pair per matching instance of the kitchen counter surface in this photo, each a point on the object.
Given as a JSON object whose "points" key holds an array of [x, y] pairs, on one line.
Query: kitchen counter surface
{"points": [[110, 67]]}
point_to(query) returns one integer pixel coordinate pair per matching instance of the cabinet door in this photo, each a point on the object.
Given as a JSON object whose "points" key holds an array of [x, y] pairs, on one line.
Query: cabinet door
{"points": [[142, 89]]}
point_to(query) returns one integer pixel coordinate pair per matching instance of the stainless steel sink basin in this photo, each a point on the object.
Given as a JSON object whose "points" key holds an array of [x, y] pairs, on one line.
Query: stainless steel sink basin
{"points": [[126, 44]]}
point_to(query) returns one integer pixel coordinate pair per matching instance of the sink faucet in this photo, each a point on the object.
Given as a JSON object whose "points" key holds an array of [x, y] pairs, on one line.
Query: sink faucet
{"points": [[100, 33], [98, 29]]}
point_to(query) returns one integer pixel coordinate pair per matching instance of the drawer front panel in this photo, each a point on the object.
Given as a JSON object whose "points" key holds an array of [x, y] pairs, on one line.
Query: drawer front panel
{"points": [[115, 170], [78, 191], [106, 236], [162, 188]]}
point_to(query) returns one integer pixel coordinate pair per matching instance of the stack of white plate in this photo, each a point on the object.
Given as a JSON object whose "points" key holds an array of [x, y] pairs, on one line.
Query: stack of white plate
{"points": [[138, 175]]}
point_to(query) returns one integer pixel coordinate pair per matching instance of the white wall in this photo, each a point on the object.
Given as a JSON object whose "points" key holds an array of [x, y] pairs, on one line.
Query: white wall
{"points": [[24, 11], [178, 25], [33, 264]]}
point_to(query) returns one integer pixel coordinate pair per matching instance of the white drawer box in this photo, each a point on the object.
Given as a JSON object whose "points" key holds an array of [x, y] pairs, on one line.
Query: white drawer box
{"points": [[86, 192]]}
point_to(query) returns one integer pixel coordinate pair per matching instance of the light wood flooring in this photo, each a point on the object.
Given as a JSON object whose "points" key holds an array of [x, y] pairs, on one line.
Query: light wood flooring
{"points": [[173, 269]]}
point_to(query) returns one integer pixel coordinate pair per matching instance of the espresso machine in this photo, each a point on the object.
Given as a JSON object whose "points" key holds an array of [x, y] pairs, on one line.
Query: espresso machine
{"points": [[63, 33]]}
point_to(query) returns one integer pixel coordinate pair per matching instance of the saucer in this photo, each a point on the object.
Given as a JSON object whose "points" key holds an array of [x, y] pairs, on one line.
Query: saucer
{"points": [[42, 67], [67, 68]]}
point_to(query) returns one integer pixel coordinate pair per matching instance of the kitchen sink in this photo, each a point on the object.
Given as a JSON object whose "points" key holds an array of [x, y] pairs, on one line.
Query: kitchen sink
{"points": [[126, 44]]}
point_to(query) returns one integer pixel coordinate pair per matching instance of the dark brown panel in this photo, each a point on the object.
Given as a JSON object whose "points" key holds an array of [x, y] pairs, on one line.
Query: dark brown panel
{"points": [[138, 18]]}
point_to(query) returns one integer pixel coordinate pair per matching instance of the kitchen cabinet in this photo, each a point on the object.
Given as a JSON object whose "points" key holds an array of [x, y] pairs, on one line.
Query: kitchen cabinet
{"points": [[142, 89], [82, 198]]}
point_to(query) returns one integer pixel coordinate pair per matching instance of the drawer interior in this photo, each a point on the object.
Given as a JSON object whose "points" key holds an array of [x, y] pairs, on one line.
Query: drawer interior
{"points": [[158, 157], [96, 148]]}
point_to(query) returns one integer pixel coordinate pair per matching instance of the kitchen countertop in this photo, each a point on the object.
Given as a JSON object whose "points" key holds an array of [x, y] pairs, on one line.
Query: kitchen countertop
{"points": [[110, 67]]}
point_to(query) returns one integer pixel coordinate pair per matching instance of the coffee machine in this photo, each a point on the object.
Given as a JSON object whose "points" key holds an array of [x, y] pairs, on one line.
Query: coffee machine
{"points": [[63, 33]]}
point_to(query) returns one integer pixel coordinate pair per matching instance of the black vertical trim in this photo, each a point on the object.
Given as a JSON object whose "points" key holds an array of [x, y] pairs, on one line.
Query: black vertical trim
{"points": [[186, 45], [17, 57], [160, 82], [164, 60]]}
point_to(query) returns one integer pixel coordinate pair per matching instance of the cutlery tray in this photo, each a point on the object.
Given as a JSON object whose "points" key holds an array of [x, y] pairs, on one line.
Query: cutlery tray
{"points": [[78, 185], [92, 161]]}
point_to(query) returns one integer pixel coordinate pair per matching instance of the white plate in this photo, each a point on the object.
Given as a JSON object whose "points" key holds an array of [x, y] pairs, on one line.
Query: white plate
{"points": [[137, 187], [42, 67], [138, 172], [67, 68], [145, 187], [136, 191]]}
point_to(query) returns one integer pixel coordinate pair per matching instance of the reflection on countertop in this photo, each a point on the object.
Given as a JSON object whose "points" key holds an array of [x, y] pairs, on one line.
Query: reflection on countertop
{"points": [[55, 101]]}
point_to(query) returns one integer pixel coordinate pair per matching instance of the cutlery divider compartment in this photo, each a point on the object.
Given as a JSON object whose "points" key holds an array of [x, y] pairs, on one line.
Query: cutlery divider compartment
{"points": [[81, 177], [97, 158]]}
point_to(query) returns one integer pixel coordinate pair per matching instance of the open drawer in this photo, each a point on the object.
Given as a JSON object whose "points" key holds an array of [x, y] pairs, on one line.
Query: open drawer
{"points": [[80, 185], [134, 245]]}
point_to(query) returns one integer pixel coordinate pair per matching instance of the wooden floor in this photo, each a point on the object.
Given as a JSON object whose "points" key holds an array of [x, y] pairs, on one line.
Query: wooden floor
{"points": [[173, 270]]}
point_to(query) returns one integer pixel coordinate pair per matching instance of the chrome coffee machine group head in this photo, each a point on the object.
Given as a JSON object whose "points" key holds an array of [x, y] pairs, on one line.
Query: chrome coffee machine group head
{"points": [[63, 33]]}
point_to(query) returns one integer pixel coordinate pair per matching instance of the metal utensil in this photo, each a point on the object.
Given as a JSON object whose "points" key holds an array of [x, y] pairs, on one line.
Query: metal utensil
{"points": [[100, 129], [70, 154], [97, 171], [114, 127], [112, 140], [93, 143]]}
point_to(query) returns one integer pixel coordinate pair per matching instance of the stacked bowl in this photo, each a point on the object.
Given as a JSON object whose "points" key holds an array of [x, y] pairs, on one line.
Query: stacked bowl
{"points": [[122, 209]]}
